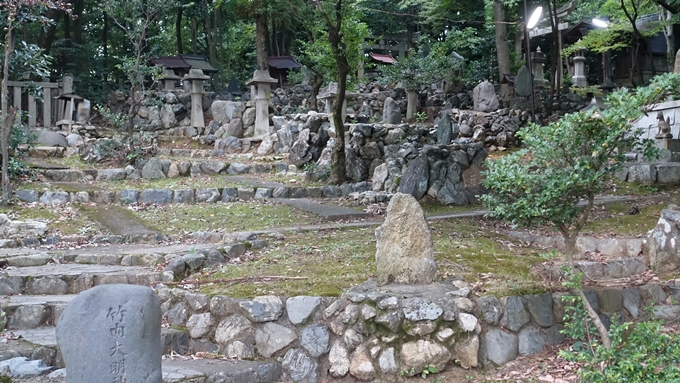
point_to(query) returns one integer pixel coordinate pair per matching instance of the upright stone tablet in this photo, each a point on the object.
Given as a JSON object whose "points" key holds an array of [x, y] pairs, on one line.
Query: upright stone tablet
{"points": [[112, 334]]}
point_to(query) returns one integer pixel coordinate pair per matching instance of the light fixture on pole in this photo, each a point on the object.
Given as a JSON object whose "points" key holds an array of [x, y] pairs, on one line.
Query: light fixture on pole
{"points": [[530, 23], [607, 83], [600, 23]]}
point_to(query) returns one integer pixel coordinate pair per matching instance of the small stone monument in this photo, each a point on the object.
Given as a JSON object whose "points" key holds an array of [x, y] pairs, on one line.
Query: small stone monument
{"points": [[391, 112], [664, 127], [523, 82], [445, 130], [484, 98], [538, 60], [112, 334], [404, 252]]}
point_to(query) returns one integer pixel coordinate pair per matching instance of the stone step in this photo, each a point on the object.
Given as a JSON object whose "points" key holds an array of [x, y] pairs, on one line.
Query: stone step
{"points": [[26, 312], [58, 279], [611, 269], [329, 212], [123, 255], [41, 343]]}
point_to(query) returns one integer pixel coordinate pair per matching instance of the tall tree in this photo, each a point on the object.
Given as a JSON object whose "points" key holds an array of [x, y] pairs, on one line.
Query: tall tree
{"points": [[14, 14]]}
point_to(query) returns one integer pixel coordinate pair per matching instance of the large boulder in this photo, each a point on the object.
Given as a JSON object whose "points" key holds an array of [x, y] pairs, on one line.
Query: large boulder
{"points": [[153, 170], [225, 111], [404, 252], [484, 98], [50, 138]]}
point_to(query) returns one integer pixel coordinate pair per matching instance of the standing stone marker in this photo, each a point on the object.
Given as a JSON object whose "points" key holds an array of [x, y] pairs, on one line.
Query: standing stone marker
{"points": [[112, 334], [404, 251]]}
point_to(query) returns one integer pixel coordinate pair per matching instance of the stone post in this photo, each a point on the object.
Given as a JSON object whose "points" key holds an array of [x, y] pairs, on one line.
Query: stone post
{"points": [[412, 98], [195, 79], [261, 91], [579, 78]]}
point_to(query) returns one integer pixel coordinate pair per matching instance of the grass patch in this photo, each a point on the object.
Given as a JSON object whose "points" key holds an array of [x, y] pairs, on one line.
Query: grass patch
{"points": [[615, 219], [216, 181], [435, 208], [60, 220], [71, 162], [336, 260], [237, 216]]}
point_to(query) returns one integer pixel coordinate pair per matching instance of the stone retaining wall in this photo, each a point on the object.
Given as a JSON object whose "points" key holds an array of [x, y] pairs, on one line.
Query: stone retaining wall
{"points": [[360, 190], [378, 333], [651, 173]]}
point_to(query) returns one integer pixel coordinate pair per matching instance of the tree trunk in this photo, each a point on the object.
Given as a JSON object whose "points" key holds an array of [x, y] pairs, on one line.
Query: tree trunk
{"points": [[261, 42], [502, 48], [178, 30], [338, 159], [194, 37], [209, 37], [7, 116], [78, 6], [46, 37]]}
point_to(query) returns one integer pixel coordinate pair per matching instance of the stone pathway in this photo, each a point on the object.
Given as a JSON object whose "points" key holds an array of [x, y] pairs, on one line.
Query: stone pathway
{"points": [[327, 211]]}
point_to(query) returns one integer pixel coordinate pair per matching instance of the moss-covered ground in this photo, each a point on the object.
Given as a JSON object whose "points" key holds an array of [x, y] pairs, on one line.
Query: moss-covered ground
{"points": [[233, 216]]}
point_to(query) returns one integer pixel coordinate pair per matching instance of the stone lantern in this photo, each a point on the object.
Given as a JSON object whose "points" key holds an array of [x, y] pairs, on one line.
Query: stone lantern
{"points": [[579, 78], [195, 80], [260, 89], [538, 60], [168, 79], [329, 97]]}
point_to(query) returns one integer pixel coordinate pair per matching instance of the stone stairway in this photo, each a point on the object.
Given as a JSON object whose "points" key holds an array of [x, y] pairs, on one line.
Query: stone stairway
{"points": [[36, 286]]}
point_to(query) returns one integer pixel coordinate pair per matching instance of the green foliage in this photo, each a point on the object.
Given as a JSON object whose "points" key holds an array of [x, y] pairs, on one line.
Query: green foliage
{"points": [[115, 120], [640, 352], [5, 379], [570, 159], [414, 71]]}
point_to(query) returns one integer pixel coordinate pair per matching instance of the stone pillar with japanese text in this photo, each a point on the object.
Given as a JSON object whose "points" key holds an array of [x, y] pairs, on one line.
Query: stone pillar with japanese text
{"points": [[112, 334]]}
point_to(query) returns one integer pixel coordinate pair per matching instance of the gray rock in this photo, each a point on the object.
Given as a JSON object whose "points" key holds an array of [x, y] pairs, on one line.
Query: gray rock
{"points": [[484, 98], [27, 317], [54, 198], [631, 301], [229, 145], [225, 111], [245, 193], [467, 322], [391, 111], [262, 309], [361, 366], [75, 140], [263, 193], [300, 367], [404, 252], [29, 196], [273, 337], [46, 285], [314, 339], [128, 196], [50, 138], [418, 309], [153, 170], [339, 360], [236, 168], [553, 335], [111, 174], [661, 245], [229, 194], [611, 300], [501, 346], [391, 320], [110, 324], [540, 308], [530, 341], [356, 169], [301, 308], [212, 167], [197, 302], [249, 117], [416, 177], [445, 130], [416, 355], [387, 363], [183, 196], [23, 368], [235, 128], [199, 325], [156, 196], [515, 315], [467, 351], [491, 309], [209, 195], [234, 328], [177, 315]]}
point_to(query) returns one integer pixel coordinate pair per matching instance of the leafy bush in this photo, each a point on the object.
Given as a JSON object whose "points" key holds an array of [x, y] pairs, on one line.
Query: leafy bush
{"points": [[640, 352]]}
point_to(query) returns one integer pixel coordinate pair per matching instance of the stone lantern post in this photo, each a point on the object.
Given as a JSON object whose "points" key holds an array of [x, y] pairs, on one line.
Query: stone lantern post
{"points": [[537, 61], [579, 78], [168, 79], [260, 89], [330, 95], [195, 79]]}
